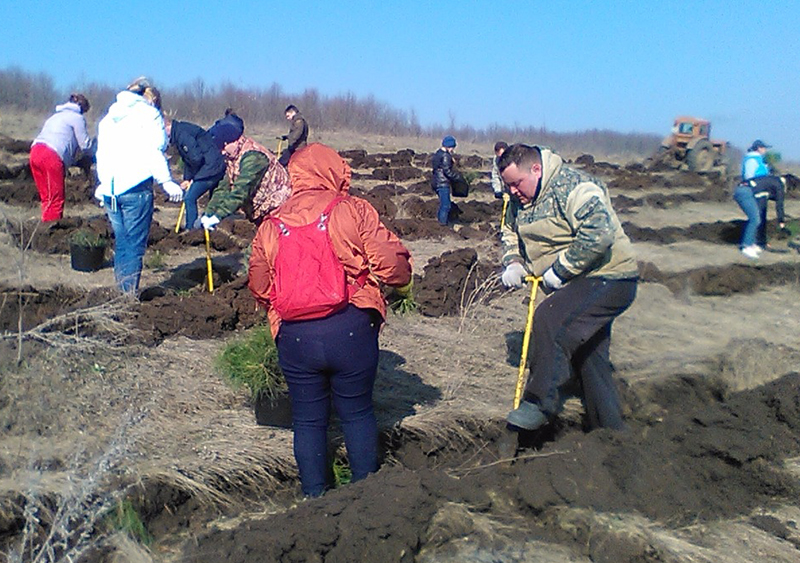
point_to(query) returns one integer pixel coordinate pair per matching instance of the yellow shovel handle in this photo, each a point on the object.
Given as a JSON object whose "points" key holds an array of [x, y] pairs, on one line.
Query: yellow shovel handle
{"points": [[180, 217], [526, 339], [208, 263], [505, 207]]}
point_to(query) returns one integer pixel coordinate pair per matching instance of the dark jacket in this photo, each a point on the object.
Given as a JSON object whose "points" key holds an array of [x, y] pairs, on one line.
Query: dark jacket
{"points": [[443, 172], [202, 160], [298, 133], [769, 187]]}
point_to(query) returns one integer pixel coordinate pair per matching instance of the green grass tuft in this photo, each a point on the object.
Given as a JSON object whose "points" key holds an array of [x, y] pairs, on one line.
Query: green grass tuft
{"points": [[252, 361], [342, 474], [126, 519]]}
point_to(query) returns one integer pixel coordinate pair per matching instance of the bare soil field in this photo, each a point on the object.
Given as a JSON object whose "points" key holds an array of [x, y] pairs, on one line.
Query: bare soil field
{"points": [[115, 406]]}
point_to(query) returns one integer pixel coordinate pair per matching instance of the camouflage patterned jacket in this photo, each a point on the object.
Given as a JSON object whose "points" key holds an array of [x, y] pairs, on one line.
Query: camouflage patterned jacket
{"points": [[570, 226]]}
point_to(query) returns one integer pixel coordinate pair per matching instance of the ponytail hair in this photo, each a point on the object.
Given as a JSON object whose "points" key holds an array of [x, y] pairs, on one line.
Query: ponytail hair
{"points": [[81, 100]]}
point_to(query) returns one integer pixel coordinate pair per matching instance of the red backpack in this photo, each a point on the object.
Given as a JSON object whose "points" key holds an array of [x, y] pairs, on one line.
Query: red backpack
{"points": [[309, 281]]}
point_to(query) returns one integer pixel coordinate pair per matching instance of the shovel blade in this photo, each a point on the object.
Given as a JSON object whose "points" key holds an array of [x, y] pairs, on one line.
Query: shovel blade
{"points": [[507, 444]]}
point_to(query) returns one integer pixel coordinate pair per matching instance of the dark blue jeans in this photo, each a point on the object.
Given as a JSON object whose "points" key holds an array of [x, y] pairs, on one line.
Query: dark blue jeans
{"points": [[130, 219], [747, 201], [334, 359], [444, 205], [570, 338], [197, 189]]}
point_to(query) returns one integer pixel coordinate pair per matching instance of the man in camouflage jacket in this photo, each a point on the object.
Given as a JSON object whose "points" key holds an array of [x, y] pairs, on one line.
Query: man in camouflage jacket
{"points": [[563, 229]]}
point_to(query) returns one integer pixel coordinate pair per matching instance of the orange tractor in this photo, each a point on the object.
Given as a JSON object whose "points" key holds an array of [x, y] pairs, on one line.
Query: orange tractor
{"points": [[690, 147]]}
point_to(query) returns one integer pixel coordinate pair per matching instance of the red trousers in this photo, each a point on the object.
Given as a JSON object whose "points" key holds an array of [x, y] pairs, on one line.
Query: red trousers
{"points": [[48, 173]]}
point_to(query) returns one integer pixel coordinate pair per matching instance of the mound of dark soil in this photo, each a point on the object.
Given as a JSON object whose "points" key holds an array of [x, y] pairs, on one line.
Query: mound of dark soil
{"points": [[715, 457], [40, 305], [197, 313], [722, 280], [22, 190], [719, 232], [54, 237], [448, 281], [397, 174], [382, 202], [14, 146], [415, 229]]}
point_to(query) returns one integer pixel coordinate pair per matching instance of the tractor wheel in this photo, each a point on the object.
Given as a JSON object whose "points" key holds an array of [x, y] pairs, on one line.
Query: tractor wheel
{"points": [[701, 157]]}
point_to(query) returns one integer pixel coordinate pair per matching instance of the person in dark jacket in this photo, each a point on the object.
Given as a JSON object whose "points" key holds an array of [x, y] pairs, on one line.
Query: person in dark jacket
{"points": [[203, 164], [756, 178], [443, 175], [255, 182], [298, 134]]}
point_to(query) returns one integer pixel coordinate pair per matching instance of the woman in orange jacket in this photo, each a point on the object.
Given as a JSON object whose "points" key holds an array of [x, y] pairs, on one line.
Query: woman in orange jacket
{"points": [[330, 356]]}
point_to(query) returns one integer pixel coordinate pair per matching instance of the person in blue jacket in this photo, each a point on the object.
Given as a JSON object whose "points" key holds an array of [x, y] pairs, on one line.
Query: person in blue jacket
{"points": [[758, 186], [203, 164]]}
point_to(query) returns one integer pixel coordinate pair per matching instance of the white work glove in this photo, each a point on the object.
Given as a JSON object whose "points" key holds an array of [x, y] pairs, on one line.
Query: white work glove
{"points": [[209, 222], [174, 191], [514, 275], [551, 280], [98, 194]]}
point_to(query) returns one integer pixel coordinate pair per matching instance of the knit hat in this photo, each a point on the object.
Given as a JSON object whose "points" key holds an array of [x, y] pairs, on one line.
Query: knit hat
{"points": [[449, 142], [759, 144], [227, 129]]}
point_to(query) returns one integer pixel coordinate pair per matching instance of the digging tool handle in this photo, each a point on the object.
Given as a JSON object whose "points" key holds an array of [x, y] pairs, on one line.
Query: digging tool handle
{"points": [[526, 339], [208, 263], [180, 217], [505, 207]]}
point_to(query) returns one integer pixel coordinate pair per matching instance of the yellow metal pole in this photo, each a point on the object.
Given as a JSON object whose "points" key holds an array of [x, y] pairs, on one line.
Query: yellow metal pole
{"points": [[526, 339], [280, 146], [180, 217], [208, 263], [506, 197]]}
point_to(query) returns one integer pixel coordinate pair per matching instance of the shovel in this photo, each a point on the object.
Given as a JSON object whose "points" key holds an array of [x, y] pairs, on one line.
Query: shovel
{"points": [[208, 263], [510, 439], [180, 217]]}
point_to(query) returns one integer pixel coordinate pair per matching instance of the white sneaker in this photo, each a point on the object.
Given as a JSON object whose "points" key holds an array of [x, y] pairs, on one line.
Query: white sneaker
{"points": [[751, 251]]}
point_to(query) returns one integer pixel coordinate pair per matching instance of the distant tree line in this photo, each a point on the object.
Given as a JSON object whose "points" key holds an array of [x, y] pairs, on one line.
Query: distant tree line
{"points": [[203, 104]]}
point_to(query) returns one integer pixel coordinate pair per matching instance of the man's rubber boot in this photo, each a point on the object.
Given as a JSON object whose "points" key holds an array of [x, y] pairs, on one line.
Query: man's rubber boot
{"points": [[527, 416]]}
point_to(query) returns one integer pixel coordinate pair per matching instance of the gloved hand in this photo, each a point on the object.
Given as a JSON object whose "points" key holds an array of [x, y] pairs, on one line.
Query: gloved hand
{"points": [[498, 195], [209, 222], [98, 194], [404, 291], [284, 137], [551, 280], [174, 191], [514, 275]]}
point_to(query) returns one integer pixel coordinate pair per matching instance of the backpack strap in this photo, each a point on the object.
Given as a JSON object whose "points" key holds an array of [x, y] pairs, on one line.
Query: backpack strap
{"points": [[361, 280], [326, 213]]}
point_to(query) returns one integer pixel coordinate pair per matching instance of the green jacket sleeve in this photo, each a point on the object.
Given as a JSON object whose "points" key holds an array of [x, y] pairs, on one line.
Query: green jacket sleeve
{"points": [[228, 198]]}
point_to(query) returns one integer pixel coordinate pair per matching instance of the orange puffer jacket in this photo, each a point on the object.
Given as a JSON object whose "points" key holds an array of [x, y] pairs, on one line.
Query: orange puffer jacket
{"points": [[361, 242]]}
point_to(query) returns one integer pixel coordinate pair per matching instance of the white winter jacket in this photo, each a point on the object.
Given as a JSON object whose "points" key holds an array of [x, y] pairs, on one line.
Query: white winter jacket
{"points": [[131, 141]]}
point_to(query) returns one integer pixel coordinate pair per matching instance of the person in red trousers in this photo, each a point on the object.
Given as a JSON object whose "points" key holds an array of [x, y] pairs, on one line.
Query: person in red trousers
{"points": [[55, 149]]}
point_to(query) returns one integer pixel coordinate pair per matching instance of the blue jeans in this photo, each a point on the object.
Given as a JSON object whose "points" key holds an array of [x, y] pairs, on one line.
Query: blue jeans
{"points": [[747, 201], [444, 205], [131, 223], [197, 189], [333, 359]]}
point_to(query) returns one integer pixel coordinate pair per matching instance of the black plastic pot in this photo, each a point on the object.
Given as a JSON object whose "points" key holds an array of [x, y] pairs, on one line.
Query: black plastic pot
{"points": [[86, 258], [273, 411]]}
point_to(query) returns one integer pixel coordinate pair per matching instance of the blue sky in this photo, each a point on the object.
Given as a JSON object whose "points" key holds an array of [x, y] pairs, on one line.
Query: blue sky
{"points": [[621, 65]]}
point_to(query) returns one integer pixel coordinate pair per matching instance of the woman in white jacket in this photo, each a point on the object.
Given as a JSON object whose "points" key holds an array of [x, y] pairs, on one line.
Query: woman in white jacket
{"points": [[131, 141]]}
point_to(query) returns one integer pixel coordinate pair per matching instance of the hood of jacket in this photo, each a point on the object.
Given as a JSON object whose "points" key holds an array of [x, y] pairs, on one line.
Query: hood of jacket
{"points": [[551, 166], [69, 106], [319, 166], [127, 104]]}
